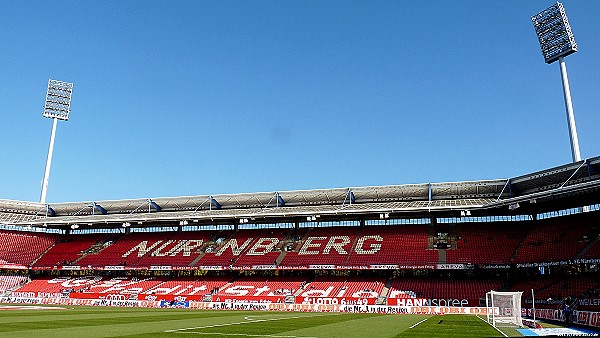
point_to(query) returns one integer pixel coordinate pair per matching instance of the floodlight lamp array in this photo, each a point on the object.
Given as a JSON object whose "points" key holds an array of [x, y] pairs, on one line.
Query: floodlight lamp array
{"points": [[58, 100], [554, 33]]}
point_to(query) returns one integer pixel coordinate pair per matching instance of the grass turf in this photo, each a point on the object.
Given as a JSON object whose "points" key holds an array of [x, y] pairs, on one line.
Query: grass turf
{"points": [[126, 322]]}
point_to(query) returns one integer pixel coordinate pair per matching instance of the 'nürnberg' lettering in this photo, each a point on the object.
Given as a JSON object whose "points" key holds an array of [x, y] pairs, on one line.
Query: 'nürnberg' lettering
{"points": [[341, 245], [161, 249]]}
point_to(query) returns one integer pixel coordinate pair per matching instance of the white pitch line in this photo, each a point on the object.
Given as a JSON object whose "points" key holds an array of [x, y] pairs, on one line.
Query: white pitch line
{"points": [[239, 323], [220, 325], [245, 334], [497, 329], [410, 327]]}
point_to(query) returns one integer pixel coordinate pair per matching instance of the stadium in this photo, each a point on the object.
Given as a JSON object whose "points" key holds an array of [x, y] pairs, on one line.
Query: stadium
{"points": [[472, 258], [427, 247]]}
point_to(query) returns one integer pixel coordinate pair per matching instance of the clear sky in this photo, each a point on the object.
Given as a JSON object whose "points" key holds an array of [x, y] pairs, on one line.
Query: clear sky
{"points": [[178, 98]]}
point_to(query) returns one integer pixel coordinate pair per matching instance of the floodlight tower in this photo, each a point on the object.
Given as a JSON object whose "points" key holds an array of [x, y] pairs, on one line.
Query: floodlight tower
{"points": [[557, 41], [57, 107]]}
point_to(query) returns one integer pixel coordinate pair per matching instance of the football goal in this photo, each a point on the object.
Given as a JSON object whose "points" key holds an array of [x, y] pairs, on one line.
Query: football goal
{"points": [[504, 309]]}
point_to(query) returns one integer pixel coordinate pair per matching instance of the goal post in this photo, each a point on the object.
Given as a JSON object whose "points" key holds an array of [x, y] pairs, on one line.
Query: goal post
{"points": [[504, 308]]}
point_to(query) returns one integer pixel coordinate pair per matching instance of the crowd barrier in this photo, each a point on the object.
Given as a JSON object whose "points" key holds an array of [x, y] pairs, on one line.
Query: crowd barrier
{"points": [[122, 302], [585, 318]]}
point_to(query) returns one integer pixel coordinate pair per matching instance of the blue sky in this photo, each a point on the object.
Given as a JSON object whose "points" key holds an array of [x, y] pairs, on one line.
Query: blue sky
{"points": [[177, 98]]}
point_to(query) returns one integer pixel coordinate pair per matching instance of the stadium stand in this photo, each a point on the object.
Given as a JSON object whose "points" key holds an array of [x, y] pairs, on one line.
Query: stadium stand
{"points": [[10, 282], [381, 243], [22, 248], [246, 248], [125, 285], [553, 290], [594, 250], [265, 250], [486, 243], [258, 285], [226, 248], [574, 286], [67, 250], [55, 285], [322, 246], [554, 240], [178, 249], [357, 286], [537, 283], [471, 243], [143, 249], [371, 245], [189, 286], [444, 288]]}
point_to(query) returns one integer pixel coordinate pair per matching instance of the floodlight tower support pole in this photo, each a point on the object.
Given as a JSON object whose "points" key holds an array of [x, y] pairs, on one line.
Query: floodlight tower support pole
{"points": [[57, 107], [48, 162], [569, 107]]}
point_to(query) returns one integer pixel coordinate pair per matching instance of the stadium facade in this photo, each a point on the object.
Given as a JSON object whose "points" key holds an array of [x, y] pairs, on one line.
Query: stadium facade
{"points": [[424, 245]]}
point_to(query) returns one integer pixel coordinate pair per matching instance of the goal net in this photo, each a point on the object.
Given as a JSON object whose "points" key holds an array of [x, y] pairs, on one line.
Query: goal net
{"points": [[504, 308]]}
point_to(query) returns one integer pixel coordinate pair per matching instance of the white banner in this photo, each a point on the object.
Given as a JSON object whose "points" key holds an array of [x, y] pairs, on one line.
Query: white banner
{"points": [[451, 266]]}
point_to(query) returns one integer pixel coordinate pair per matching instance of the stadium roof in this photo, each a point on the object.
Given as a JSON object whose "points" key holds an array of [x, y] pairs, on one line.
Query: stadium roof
{"points": [[571, 185]]}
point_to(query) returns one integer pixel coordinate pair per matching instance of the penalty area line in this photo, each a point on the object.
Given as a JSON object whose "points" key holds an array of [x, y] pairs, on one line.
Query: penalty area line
{"points": [[414, 325], [497, 329]]}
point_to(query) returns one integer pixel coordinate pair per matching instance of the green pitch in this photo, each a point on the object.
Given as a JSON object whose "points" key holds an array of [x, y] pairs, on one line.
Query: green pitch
{"points": [[124, 322]]}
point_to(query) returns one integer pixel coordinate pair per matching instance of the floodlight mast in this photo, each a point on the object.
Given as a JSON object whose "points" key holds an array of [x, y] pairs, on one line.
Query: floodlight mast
{"points": [[57, 107], [557, 41], [575, 153]]}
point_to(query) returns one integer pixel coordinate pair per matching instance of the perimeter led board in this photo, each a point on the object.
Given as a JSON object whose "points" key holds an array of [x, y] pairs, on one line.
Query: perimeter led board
{"points": [[58, 100], [554, 33]]}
